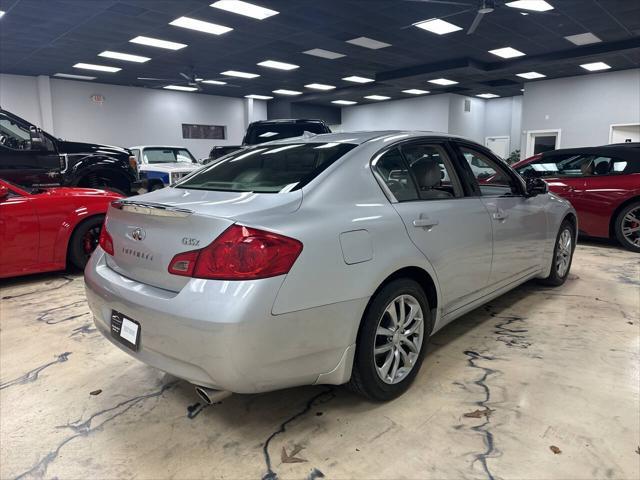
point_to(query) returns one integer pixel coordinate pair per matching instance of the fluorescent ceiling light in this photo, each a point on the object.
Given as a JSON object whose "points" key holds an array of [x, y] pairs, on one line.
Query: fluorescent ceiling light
{"points": [[415, 91], [507, 52], [156, 42], [344, 102], [534, 5], [283, 91], [357, 79], [258, 97], [443, 81], [583, 39], [438, 26], [181, 88], [319, 86], [530, 75], [487, 95], [76, 77], [124, 56], [328, 54], [199, 25], [2, 13], [592, 67], [244, 8], [214, 82], [367, 42], [235, 73], [100, 68], [278, 65], [377, 97]]}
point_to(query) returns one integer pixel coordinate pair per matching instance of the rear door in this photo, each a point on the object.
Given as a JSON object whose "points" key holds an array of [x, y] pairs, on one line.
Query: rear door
{"points": [[519, 223], [451, 230]]}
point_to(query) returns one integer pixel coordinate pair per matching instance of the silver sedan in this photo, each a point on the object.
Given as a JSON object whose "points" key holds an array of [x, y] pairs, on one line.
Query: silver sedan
{"points": [[323, 259]]}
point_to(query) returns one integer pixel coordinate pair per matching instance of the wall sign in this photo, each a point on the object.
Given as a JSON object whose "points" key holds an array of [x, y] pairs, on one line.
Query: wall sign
{"points": [[207, 132]]}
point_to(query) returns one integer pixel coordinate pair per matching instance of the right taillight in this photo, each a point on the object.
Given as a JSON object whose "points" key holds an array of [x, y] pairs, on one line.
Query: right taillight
{"points": [[106, 242], [240, 253]]}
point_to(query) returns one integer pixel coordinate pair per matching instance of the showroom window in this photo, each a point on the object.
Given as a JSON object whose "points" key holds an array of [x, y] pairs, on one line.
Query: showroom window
{"points": [[492, 179], [392, 170], [433, 171]]}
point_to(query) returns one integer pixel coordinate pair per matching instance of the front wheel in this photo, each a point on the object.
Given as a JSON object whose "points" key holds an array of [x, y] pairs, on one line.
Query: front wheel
{"points": [[392, 341], [627, 227], [84, 241], [562, 255]]}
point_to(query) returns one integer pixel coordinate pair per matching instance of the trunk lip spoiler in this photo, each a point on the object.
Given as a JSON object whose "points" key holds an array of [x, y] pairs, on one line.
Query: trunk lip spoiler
{"points": [[150, 208]]}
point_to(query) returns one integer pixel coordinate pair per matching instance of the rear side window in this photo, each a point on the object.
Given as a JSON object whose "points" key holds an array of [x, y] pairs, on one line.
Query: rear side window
{"points": [[265, 133], [433, 171], [391, 170], [272, 169]]}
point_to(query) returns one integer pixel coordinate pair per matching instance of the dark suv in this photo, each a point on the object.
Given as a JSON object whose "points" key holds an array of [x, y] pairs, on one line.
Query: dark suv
{"points": [[32, 158], [268, 130]]}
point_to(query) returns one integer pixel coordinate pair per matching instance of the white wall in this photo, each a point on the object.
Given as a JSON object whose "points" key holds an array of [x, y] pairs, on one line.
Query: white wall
{"points": [[583, 107], [129, 115], [503, 118], [467, 124]]}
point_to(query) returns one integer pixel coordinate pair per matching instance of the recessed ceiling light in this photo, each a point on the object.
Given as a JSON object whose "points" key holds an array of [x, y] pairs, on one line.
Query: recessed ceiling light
{"points": [[278, 65], [235, 73], [357, 79], [534, 5], [201, 26], [531, 75], [583, 38], [415, 91], [156, 42], [244, 8], [438, 26], [592, 67], [377, 97], [100, 68], [283, 91], [344, 102], [487, 95], [522, 89], [443, 81], [124, 56], [367, 42], [180, 88], [76, 77], [319, 86], [328, 54], [258, 97], [2, 13], [214, 82], [507, 52]]}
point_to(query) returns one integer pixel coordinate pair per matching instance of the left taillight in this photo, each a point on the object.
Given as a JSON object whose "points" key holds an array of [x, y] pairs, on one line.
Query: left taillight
{"points": [[106, 242]]}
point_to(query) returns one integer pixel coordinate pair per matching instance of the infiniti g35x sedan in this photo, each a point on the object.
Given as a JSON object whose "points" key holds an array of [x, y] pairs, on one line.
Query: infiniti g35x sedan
{"points": [[322, 259]]}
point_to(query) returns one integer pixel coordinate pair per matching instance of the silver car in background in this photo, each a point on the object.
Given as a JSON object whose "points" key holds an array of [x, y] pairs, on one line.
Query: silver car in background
{"points": [[322, 259]]}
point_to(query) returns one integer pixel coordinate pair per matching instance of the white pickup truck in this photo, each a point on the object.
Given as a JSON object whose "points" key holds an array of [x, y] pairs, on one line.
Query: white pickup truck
{"points": [[160, 166]]}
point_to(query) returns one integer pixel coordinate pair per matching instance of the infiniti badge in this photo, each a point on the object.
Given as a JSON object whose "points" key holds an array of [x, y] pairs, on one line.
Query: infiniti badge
{"points": [[138, 234]]}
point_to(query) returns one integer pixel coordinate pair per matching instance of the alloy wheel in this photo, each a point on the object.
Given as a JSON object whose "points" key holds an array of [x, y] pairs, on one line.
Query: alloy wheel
{"points": [[563, 252], [631, 227]]}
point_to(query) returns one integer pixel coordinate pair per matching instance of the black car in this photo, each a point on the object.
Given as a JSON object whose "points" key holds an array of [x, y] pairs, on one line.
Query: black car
{"points": [[30, 157], [268, 130]]}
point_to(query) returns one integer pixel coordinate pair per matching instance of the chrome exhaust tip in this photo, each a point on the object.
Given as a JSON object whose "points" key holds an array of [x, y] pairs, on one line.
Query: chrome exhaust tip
{"points": [[210, 396]]}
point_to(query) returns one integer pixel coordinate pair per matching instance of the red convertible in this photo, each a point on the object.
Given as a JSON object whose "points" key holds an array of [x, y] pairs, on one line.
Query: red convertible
{"points": [[45, 229], [602, 183]]}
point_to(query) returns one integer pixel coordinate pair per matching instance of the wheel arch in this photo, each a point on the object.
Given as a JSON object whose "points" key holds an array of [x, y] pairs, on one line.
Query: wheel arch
{"points": [[87, 178], [616, 212], [75, 228]]}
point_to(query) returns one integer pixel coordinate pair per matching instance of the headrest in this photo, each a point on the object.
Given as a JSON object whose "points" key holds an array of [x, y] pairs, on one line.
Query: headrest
{"points": [[428, 174], [602, 168]]}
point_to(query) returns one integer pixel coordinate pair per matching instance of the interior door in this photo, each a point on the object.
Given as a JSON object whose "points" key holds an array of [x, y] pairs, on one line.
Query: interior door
{"points": [[19, 234], [452, 231], [519, 223], [499, 146]]}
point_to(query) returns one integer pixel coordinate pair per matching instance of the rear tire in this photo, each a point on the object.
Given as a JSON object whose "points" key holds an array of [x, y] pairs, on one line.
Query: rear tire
{"points": [[629, 218], [389, 352], [562, 255], [84, 241]]}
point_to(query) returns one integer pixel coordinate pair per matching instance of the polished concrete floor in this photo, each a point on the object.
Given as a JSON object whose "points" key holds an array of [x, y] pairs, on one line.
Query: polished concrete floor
{"points": [[539, 384]]}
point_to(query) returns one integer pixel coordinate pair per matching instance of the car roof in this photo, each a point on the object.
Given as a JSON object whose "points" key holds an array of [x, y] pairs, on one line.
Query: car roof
{"points": [[287, 120], [158, 146], [359, 138]]}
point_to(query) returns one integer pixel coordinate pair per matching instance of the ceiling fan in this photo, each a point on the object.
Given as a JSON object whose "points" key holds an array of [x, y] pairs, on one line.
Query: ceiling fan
{"points": [[188, 80], [482, 8]]}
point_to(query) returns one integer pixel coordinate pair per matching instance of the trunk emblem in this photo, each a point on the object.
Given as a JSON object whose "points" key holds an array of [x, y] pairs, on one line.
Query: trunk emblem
{"points": [[138, 234]]}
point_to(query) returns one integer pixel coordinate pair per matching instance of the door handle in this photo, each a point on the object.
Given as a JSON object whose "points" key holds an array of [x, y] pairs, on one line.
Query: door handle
{"points": [[500, 215], [425, 223]]}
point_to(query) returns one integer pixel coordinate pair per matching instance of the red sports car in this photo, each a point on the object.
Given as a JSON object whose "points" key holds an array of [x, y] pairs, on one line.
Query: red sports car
{"points": [[43, 230], [602, 183]]}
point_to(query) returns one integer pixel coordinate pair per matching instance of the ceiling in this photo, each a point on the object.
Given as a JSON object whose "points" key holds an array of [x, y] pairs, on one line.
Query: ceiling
{"points": [[44, 37]]}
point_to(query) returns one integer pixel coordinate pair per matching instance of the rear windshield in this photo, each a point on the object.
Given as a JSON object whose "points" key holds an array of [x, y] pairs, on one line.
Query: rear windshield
{"points": [[265, 133], [168, 155], [269, 169]]}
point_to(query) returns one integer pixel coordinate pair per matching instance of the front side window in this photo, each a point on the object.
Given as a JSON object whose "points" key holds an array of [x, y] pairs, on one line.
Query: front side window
{"points": [[491, 177], [168, 155], [14, 135], [432, 171], [575, 165], [391, 169], [272, 169]]}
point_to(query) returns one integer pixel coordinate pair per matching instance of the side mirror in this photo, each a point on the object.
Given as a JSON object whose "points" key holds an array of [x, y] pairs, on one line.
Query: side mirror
{"points": [[37, 139], [536, 186], [4, 192]]}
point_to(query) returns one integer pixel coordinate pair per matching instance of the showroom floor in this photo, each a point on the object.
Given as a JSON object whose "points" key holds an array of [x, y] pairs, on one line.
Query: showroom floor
{"points": [[541, 383]]}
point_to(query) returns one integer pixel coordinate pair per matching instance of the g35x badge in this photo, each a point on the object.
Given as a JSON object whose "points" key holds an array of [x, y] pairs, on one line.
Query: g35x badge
{"points": [[192, 242]]}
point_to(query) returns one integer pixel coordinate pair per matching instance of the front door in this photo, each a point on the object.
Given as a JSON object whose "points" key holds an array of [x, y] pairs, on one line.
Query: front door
{"points": [[519, 223], [19, 234], [453, 232]]}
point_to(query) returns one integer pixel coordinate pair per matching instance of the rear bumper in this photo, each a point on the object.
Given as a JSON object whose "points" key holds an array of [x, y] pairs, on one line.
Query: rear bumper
{"points": [[222, 334]]}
